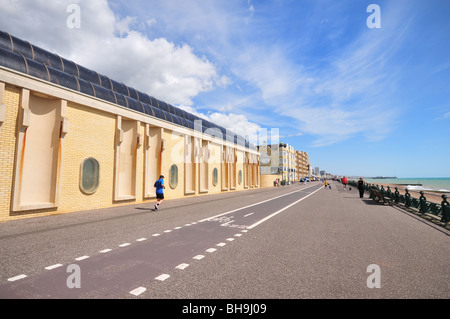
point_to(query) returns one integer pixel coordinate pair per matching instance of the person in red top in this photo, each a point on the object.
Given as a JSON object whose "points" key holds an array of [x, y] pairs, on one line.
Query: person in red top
{"points": [[344, 182]]}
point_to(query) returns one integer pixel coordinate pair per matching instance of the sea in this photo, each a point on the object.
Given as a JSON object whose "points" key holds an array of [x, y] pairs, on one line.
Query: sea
{"points": [[441, 184]]}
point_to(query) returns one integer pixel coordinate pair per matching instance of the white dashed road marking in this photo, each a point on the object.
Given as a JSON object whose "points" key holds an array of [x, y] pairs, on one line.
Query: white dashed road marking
{"points": [[17, 277], [53, 266], [81, 258], [211, 250], [198, 257], [138, 291], [182, 266], [162, 277], [124, 245], [105, 250]]}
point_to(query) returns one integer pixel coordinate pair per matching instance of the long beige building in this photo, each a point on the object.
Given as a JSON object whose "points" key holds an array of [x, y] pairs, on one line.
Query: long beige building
{"points": [[72, 139]]}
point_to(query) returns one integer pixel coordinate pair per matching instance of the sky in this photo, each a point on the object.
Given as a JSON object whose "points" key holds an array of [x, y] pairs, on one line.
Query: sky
{"points": [[363, 89]]}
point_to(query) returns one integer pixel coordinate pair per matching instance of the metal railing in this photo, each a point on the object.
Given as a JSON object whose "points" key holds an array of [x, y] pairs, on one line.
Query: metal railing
{"points": [[441, 210]]}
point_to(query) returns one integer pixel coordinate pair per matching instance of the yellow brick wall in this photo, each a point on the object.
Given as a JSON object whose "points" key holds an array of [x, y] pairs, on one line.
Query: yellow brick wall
{"points": [[7, 149], [173, 154], [92, 133]]}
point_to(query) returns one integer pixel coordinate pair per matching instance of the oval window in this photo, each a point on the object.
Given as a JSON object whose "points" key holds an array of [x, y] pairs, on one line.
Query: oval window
{"points": [[215, 177], [240, 177], [173, 176], [90, 175]]}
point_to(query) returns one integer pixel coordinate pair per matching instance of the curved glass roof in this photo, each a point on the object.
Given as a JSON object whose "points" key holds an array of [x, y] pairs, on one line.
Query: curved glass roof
{"points": [[22, 56]]}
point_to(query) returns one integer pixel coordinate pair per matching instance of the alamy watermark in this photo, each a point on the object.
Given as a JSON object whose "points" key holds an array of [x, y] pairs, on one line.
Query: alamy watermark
{"points": [[73, 21], [374, 20], [74, 279], [374, 279]]}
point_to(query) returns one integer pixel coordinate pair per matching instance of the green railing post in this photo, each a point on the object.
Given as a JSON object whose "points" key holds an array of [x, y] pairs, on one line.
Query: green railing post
{"points": [[422, 203], [397, 195], [407, 198], [389, 192], [445, 209]]}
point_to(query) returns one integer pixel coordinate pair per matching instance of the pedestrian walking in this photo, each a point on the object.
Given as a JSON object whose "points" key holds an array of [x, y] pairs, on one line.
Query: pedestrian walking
{"points": [[326, 183], [344, 182], [361, 187], [159, 185]]}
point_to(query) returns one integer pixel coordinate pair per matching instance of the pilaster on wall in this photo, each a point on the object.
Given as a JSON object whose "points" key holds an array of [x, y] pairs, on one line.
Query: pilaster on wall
{"points": [[39, 149], [205, 155], [2, 105], [128, 141], [153, 148], [189, 165]]}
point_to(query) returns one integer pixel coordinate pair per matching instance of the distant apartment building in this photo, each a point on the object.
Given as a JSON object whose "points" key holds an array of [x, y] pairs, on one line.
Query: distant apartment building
{"points": [[302, 164], [283, 159], [288, 163]]}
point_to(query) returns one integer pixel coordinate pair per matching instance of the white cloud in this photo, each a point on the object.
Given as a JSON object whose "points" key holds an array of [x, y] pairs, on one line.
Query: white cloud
{"points": [[238, 124], [110, 46]]}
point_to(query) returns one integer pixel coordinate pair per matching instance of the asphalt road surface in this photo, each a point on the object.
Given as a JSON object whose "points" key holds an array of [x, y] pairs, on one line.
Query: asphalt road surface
{"points": [[293, 242]]}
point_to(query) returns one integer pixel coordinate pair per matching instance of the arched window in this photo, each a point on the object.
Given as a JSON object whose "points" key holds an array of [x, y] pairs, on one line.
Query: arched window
{"points": [[173, 176], [215, 178], [90, 175]]}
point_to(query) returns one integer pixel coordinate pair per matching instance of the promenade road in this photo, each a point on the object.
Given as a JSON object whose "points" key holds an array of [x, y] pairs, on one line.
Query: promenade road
{"points": [[292, 242]]}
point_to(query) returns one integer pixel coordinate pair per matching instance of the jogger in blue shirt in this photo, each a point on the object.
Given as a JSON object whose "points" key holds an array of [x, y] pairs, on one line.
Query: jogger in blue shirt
{"points": [[159, 184]]}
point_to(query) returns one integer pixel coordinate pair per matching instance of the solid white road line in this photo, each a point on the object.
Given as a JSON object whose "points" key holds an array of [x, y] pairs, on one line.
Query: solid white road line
{"points": [[264, 201], [281, 210]]}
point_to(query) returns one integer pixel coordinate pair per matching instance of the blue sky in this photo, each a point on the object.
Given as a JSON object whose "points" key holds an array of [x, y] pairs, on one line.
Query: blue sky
{"points": [[360, 101]]}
